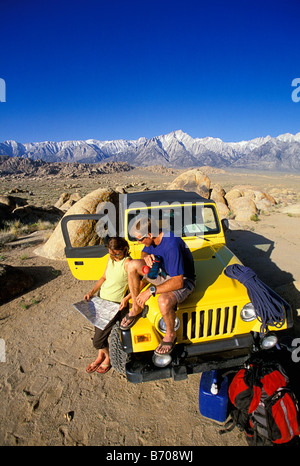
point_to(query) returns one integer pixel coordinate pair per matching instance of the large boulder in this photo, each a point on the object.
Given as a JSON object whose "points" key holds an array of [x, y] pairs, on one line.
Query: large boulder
{"points": [[246, 201], [64, 197], [13, 281], [218, 194], [222, 209], [81, 232], [192, 180], [75, 197], [66, 201], [244, 209], [234, 193], [251, 192]]}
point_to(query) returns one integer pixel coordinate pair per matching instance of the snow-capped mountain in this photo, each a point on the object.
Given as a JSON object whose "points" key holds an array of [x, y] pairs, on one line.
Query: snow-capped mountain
{"points": [[176, 149]]}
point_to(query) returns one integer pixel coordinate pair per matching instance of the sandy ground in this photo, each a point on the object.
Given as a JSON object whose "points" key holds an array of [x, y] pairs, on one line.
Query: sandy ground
{"points": [[47, 398]]}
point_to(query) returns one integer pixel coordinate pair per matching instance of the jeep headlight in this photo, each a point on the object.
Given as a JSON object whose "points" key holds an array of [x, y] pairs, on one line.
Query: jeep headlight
{"points": [[248, 313], [269, 341], [161, 360], [162, 326]]}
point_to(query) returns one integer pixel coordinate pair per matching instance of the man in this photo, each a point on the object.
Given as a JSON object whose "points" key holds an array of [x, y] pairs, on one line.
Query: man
{"points": [[172, 289]]}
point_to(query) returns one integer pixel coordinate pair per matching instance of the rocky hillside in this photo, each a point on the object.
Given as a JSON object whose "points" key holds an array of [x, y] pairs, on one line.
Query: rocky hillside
{"points": [[176, 149], [25, 167]]}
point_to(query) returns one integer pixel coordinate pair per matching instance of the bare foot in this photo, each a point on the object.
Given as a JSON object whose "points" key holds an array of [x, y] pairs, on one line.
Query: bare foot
{"points": [[102, 356]]}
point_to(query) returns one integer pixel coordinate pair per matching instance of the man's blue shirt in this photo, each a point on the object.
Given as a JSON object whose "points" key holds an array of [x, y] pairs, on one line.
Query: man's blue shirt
{"points": [[178, 259]]}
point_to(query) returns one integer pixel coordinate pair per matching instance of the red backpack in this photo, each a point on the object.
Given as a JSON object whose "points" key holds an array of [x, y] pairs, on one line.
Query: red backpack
{"points": [[265, 406]]}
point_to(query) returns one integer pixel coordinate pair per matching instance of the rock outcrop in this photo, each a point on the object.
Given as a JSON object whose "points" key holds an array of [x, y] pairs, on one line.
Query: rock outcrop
{"points": [[18, 167], [192, 180], [243, 203], [243, 208], [81, 233], [67, 200]]}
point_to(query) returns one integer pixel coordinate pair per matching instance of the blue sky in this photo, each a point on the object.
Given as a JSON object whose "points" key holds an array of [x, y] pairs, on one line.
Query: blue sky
{"points": [[116, 69]]}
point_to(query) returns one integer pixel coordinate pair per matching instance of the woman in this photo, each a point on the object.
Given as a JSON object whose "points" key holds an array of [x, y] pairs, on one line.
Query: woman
{"points": [[113, 286]]}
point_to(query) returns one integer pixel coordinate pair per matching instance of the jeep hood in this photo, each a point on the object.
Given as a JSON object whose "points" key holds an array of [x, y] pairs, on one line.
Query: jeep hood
{"points": [[213, 287]]}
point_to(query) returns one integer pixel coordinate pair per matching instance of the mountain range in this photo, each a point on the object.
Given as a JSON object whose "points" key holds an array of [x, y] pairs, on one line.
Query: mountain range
{"points": [[176, 149]]}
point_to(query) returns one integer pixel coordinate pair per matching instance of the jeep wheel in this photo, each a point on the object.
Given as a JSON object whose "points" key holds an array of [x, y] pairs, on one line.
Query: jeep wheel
{"points": [[118, 357]]}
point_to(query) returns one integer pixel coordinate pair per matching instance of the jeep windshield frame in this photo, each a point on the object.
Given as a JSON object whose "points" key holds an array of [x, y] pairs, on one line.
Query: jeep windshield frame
{"points": [[165, 205], [131, 203], [183, 220]]}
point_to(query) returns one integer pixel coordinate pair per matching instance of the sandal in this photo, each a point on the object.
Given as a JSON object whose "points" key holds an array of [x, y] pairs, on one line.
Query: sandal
{"points": [[92, 367], [131, 319], [165, 343], [103, 368]]}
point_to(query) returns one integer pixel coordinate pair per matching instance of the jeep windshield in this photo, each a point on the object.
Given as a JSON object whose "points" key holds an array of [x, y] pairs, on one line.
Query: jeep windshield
{"points": [[184, 220]]}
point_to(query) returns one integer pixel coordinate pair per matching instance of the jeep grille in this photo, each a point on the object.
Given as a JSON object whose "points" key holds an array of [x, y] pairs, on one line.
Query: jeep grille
{"points": [[196, 325]]}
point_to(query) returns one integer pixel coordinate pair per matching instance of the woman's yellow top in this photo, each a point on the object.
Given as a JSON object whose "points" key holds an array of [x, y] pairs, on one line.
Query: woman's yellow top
{"points": [[116, 283]]}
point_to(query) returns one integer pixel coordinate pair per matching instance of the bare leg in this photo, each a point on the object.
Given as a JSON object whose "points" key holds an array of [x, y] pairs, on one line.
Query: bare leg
{"points": [[106, 359], [105, 364], [167, 302], [135, 273], [94, 365]]}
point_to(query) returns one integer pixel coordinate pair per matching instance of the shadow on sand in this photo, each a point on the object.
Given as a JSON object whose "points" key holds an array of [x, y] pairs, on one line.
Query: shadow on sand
{"points": [[37, 277]]}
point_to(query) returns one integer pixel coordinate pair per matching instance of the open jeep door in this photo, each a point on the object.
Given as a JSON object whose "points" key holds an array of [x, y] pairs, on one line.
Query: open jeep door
{"points": [[85, 262]]}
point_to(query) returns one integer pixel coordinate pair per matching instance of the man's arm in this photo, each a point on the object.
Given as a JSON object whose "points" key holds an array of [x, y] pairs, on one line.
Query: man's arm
{"points": [[148, 258], [175, 283]]}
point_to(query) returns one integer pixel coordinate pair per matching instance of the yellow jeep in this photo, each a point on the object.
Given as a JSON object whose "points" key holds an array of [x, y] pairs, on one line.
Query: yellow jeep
{"points": [[216, 325]]}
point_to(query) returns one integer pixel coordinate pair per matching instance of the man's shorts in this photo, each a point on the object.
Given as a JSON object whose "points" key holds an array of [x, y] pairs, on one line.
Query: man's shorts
{"points": [[182, 293]]}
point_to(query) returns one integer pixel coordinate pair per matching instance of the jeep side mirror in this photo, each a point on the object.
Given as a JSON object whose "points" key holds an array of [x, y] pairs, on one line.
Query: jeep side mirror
{"points": [[225, 224]]}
